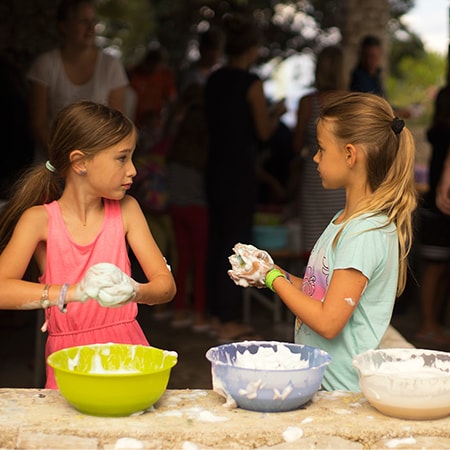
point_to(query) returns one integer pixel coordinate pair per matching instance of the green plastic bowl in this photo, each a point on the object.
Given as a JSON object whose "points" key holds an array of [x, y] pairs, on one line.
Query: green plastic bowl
{"points": [[112, 379]]}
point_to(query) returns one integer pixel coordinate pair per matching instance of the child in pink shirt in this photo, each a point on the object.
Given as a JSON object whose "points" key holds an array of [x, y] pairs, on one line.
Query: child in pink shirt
{"points": [[71, 215]]}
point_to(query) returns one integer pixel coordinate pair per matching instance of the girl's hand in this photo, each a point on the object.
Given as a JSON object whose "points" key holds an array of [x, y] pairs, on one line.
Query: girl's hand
{"points": [[107, 284], [249, 266]]}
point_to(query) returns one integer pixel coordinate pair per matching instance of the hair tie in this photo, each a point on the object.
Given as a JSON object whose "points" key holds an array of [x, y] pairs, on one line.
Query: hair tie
{"points": [[397, 125], [50, 167]]}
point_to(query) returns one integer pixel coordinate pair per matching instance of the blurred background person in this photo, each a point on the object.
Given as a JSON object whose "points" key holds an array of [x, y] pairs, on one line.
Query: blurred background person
{"points": [[238, 119], [434, 231], [75, 70], [187, 196], [154, 84], [317, 205], [366, 76], [210, 47], [188, 210]]}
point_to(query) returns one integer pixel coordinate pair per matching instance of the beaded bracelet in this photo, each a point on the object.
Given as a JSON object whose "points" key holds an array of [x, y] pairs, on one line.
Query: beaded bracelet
{"points": [[45, 302], [62, 298], [271, 276]]}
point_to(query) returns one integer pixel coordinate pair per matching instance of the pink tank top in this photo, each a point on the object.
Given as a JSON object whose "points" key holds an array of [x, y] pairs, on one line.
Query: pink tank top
{"points": [[67, 262]]}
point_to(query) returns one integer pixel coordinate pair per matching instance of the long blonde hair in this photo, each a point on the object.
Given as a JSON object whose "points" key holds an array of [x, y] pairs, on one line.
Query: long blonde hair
{"points": [[368, 121], [84, 125]]}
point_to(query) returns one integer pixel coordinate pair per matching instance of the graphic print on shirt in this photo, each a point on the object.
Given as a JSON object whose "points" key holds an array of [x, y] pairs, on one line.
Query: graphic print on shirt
{"points": [[315, 280]]}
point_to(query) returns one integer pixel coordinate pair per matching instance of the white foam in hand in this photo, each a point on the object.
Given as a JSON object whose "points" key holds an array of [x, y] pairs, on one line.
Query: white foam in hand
{"points": [[249, 265], [107, 284]]}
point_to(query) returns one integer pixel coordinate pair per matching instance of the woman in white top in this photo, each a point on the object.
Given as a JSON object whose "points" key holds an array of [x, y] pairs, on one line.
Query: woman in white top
{"points": [[77, 70]]}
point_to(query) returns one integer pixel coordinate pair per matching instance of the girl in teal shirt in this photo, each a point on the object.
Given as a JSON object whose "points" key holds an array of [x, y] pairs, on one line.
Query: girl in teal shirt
{"points": [[344, 302]]}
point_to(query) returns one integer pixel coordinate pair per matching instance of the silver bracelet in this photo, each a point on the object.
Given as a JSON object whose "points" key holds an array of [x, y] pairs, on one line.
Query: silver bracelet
{"points": [[62, 298]]}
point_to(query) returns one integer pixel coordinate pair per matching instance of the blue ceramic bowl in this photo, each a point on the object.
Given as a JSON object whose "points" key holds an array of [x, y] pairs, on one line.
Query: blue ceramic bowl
{"points": [[267, 389]]}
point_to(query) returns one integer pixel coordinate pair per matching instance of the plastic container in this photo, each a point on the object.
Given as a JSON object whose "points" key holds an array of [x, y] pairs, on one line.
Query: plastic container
{"points": [[267, 389], [406, 383], [112, 379], [270, 237]]}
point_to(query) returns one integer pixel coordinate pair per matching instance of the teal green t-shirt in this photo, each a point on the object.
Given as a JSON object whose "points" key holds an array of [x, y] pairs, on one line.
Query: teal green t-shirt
{"points": [[369, 245]]}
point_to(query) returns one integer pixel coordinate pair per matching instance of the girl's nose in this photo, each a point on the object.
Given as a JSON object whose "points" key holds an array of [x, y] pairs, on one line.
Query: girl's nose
{"points": [[316, 157], [132, 170]]}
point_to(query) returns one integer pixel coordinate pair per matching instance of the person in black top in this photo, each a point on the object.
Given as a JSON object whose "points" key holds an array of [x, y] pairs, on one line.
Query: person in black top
{"points": [[238, 120], [366, 77], [434, 231]]}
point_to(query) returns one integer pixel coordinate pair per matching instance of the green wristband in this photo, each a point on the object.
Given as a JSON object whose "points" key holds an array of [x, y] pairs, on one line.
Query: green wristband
{"points": [[271, 276]]}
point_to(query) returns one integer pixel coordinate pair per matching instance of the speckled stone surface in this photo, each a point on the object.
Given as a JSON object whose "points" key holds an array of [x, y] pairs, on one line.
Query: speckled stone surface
{"points": [[197, 419]]}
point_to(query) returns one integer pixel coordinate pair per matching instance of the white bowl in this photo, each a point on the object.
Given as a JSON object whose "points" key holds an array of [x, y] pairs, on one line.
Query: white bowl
{"points": [[406, 383]]}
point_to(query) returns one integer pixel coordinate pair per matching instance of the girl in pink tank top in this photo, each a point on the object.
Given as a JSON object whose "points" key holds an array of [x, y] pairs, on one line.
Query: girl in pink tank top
{"points": [[72, 215]]}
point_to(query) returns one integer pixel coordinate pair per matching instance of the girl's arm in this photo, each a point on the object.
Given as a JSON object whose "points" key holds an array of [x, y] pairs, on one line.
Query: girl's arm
{"points": [[27, 239], [294, 280], [161, 286], [329, 317]]}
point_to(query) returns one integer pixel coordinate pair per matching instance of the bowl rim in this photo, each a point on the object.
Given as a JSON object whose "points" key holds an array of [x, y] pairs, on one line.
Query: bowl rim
{"points": [[323, 353], [111, 374], [391, 351]]}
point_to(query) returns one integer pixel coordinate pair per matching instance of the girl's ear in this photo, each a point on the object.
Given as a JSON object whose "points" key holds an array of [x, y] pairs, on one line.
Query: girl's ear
{"points": [[350, 154], [78, 162]]}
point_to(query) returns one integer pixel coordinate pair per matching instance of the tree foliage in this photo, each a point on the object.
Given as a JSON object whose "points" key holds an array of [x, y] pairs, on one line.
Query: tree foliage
{"points": [[416, 82], [289, 27]]}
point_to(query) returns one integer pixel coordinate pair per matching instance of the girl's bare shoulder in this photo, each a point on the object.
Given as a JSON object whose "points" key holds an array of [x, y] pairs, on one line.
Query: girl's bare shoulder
{"points": [[36, 213], [34, 221], [129, 204], [130, 209]]}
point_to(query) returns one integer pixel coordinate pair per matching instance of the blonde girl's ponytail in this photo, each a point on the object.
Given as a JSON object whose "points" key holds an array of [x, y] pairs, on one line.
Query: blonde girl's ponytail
{"points": [[399, 195]]}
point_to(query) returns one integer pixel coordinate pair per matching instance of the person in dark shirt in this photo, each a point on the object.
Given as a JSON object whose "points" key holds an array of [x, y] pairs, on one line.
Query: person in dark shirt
{"points": [[366, 77], [238, 120], [434, 231]]}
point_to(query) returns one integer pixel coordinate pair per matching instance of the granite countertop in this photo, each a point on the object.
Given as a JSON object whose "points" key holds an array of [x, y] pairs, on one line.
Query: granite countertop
{"points": [[197, 419]]}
